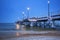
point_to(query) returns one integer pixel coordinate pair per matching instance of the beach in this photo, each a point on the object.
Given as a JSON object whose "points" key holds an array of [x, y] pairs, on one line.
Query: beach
{"points": [[29, 35]]}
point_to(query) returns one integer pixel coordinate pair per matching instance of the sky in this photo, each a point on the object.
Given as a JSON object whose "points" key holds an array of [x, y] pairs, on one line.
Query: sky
{"points": [[11, 10]]}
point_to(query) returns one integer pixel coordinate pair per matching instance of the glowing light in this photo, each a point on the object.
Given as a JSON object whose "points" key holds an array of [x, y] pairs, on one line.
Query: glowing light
{"points": [[48, 2], [28, 8], [17, 26], [22, 12]]}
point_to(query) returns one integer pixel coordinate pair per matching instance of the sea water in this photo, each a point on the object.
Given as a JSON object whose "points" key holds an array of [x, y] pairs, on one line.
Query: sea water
{"points": [[8, 30], [7, 26]]}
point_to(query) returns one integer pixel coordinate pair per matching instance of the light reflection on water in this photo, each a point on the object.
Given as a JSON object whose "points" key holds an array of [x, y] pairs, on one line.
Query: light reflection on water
{"points": [[17, 34], [17, 26]]}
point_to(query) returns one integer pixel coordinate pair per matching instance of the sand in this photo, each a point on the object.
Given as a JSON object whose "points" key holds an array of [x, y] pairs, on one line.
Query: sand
{"points": [[18, 34]]}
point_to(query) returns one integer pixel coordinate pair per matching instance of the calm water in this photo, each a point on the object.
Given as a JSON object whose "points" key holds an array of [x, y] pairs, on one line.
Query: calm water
{"points": [[5, 32], [12, 26], [7, 26]]}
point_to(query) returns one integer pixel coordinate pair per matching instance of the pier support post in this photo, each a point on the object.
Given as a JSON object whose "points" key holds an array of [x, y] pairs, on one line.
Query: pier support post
{"points": [[31, 25]]}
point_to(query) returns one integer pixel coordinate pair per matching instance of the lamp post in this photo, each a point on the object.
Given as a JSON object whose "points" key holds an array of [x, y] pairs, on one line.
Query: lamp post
{"points": [[48, 8], [28, 16], [49, 17], [49, 12], [28, 12]]}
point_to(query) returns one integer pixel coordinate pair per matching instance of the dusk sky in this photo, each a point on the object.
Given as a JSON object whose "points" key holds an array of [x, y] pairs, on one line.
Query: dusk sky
{"points": [[10, 10]]}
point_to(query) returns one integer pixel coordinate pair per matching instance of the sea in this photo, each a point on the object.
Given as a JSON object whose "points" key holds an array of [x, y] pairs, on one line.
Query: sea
{"points": [[8, 31], [13, 27], [7, 26]]}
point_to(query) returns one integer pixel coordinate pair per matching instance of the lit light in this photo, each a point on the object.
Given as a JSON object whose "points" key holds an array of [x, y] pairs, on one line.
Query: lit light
{"points": [[22, 12], [48, 2], [17, 26], [17, 34], [28, 8]]}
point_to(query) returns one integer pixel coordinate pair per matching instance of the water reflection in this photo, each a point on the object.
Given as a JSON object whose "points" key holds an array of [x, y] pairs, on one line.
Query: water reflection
{"points": [[17, 34], [17, 26]]}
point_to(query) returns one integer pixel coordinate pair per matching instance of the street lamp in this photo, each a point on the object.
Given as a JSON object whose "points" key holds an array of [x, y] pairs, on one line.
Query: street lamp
{"points": [[48, 1], [28, 8], [23, 13], [49, 12], [48, 8], [49, 17], [28, 12]]}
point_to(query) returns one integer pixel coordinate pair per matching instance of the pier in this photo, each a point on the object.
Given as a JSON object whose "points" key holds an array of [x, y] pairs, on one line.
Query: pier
{"points": [[42, 22]]}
